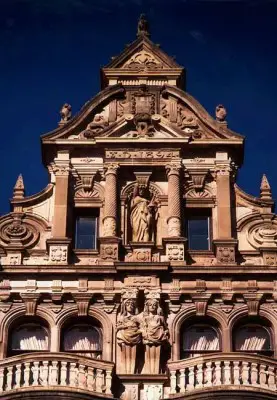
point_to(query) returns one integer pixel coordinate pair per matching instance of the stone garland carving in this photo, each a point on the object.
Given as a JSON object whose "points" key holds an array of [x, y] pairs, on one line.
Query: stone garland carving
{"points": [[143, 215], [141, 61]]}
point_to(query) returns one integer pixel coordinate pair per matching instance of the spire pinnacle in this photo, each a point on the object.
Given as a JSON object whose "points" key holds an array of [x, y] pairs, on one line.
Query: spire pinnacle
{"points": [[265, 189], [143, 26], [19, 189]]}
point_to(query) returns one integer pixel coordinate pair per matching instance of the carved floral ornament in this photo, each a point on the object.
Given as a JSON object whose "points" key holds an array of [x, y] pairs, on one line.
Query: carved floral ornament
{"points": [[141, 61]]}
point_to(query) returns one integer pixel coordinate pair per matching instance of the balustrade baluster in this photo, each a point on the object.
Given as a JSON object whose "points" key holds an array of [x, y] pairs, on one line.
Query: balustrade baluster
{"points": [[254, 374], [82, 376], [63, 373], [227, 373], [73, 375], [53, 373], [217, 373], [2, 371], [35, 373], [271, 378], [263, 375], [173, 382], [182, 384], [190, 385], [236, 373], [108, 382], [44, 373], [199, 376], [209, 375], [91, 378], [9, 378], [99, 380], [17, 376], [245, 373], [26, 374]]}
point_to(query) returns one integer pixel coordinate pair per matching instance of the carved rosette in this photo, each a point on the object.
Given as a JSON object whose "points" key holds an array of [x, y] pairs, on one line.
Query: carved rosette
{"points": [[225, 255], [58, 254]]}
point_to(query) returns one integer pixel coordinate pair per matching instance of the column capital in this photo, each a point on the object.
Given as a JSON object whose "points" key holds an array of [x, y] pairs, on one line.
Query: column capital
{"points": [[111, 168], [173, 168]]}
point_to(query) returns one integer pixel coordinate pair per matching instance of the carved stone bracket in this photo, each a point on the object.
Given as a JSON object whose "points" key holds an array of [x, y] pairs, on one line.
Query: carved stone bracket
{"points": [[198, 178], [201, 302], [83, 302], [30, 300], [5, 289], [253, 302]]}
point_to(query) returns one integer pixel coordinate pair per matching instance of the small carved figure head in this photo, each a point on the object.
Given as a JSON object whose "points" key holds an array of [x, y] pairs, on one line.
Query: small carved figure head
{"points": [[65, 112], [220, 113], [152, 306], [128, 307]]}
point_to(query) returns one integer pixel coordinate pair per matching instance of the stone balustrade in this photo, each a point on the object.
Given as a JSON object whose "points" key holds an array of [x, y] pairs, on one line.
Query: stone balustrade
{"points": [[228, 369], [55, 370]]}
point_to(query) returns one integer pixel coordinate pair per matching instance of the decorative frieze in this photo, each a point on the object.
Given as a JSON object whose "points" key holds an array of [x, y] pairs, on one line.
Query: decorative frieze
{"points": [[142, 154]]}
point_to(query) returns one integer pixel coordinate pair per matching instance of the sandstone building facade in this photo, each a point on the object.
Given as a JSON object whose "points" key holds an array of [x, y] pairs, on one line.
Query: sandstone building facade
{"points": [[142, 271]]}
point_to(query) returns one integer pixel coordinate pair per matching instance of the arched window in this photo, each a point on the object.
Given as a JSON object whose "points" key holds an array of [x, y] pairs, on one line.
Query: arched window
{"points": [[253, 338], [29, 337], [84, 339], [199, 339]]}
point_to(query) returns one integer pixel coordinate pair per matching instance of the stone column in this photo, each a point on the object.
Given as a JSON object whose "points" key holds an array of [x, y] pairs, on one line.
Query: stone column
{"points": [[110, 211], [59, 243], [174, 199], [109, 243]]}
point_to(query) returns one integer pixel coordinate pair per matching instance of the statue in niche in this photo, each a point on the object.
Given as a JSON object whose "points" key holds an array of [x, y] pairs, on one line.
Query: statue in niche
{"points": [[142, 215], [128, 335], [154, 334]]}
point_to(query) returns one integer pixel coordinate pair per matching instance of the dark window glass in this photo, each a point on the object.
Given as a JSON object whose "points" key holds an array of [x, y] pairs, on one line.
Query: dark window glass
{"points": [[86, 233], [198, 233], [29, 337], [253, 338], [83, 339], [198, 340]]}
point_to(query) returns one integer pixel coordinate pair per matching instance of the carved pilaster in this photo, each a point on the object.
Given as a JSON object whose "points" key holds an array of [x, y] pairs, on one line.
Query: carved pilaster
{"points": [[110, 211], [174, 199]]}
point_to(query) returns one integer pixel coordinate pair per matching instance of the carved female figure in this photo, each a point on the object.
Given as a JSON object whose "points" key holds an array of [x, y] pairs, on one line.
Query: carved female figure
{"points": [[128, 335], [154, 334], [142, 215]]}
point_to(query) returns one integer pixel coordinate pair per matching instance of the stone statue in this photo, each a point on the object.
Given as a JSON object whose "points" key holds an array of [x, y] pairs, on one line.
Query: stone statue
{"points": [[154, 334], [143, 26], [142, 215], [220, 113], [65, 113], [128, 335]]}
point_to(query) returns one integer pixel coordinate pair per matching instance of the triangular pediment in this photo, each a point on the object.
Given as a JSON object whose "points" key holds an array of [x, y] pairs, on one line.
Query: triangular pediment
{"points": [[143, 61]]}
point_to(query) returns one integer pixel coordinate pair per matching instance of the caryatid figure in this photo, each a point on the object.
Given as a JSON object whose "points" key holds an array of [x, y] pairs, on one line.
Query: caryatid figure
{"points": [[154, 334], [128, 335]]}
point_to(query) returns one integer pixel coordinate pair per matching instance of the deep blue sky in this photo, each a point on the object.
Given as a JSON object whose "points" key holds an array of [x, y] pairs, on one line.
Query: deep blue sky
{"points": [[51, 52]]}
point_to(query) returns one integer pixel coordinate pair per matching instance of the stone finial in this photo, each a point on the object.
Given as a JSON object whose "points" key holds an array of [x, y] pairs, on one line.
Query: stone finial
{"points": [[65, 113], [220, 113], [143, 26], [19, 189], [265, 190]]}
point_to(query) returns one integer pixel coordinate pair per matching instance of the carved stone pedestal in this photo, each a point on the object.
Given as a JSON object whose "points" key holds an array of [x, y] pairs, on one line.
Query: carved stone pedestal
{"points": [[225, 251], [175, 250], [141, 252], [58, 250], [109, 248], [269, 255]]}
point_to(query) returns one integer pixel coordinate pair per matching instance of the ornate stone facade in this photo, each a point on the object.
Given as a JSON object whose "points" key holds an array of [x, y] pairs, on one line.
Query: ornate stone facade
{"points": [[141, 270]]}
